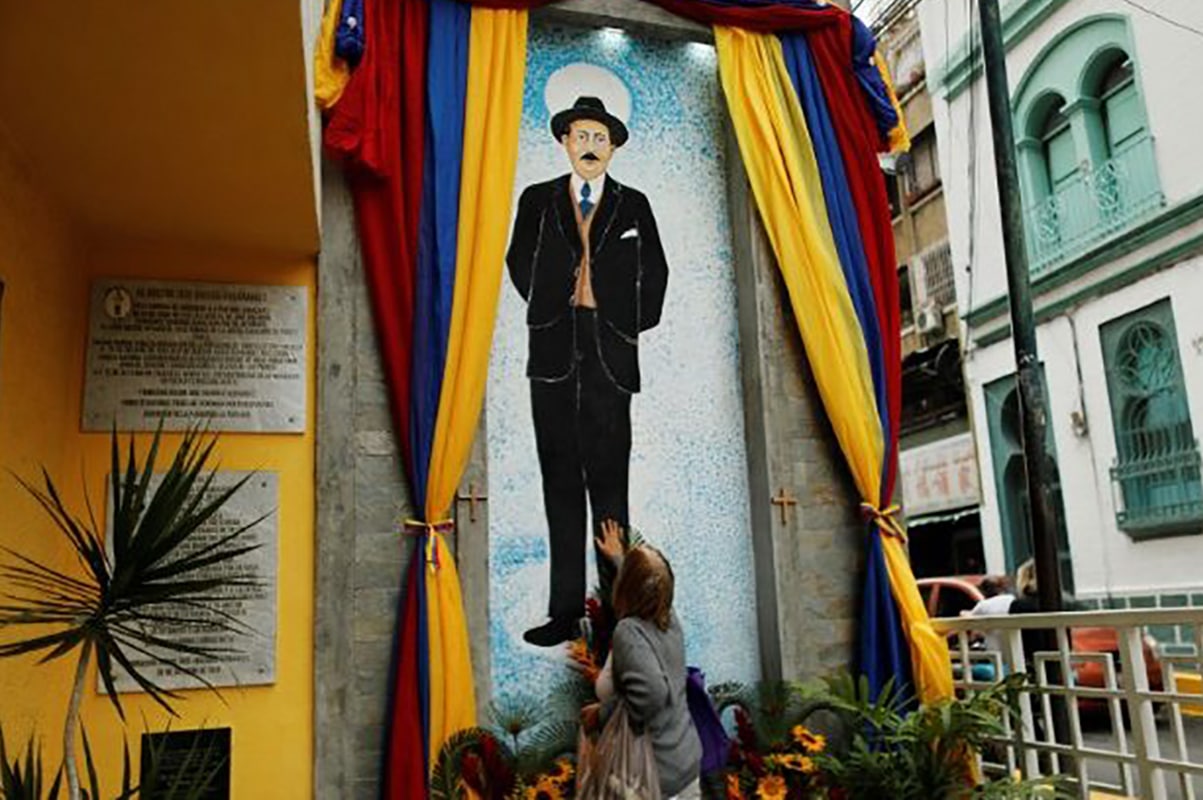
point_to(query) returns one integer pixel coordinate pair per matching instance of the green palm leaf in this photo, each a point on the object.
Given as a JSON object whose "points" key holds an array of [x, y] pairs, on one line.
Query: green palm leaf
{"points": [[128, 606]]}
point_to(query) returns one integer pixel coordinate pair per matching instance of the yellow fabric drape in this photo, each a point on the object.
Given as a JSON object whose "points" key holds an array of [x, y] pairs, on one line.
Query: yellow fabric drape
{"points": [[783, 171], [452, 689], [330, 73], [492, 114], [780, 160], [493, 108], [900, 138]]}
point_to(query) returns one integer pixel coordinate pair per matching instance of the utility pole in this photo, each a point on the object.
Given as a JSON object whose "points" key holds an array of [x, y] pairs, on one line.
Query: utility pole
{"points": [[1033, 410]]}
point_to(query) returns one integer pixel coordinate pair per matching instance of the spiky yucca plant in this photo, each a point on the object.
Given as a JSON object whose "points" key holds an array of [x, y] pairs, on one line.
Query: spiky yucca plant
{"points": [[127, 606], [23, 777]]}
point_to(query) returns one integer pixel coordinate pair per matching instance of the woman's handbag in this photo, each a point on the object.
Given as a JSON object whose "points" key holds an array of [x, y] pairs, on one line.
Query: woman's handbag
{"points": [[620, 766]]}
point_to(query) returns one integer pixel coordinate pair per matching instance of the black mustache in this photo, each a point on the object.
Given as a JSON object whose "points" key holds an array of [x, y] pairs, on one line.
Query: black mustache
{"points": [[590, 157]]}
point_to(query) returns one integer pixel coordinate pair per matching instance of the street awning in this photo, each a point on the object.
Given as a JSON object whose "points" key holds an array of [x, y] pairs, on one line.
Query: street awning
{"points": [[941, 516]]}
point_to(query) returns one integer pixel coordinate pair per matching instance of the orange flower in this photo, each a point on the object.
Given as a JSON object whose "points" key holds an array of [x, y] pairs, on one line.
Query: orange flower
{"points": [[811, 742], [796, 762], [545, 789], [771, 787], [561, 772], [580, 657], [734, 790]]}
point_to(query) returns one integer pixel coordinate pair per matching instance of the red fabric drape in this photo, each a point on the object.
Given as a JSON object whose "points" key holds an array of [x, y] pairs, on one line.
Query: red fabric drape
{"points": [[860, 143], [377, 129], [405, 769]]}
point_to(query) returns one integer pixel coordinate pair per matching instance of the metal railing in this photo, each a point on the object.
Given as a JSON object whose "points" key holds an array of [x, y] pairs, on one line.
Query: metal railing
{"points": [[939, 282], [1150, 705], [1157, 480], [1092, 205]]}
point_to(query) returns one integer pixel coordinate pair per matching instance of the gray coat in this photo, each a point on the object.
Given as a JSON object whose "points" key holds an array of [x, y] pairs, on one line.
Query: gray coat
{"points": [[648, 667]]}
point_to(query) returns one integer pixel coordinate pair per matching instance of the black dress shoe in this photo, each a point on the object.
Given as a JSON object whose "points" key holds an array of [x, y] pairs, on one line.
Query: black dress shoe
{"points": [[553, 632]]}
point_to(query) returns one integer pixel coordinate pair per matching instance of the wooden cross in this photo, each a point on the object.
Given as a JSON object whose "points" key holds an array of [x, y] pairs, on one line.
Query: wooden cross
{"points": [[784, 499], [471, 498]]}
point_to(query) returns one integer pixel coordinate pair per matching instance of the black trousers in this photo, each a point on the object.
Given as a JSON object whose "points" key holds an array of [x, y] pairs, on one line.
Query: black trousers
{"points": [[583, 435]]}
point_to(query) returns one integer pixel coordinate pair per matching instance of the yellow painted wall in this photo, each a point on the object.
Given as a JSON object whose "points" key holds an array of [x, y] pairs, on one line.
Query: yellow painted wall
{"points": [[43, 330], [36, 374]]}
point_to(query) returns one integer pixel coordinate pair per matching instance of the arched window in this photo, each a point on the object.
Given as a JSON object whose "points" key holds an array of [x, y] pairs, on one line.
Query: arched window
{"points": [[1085, 150], [1057, 145], [1157, 457], [1006, 452], [1122, 116]]}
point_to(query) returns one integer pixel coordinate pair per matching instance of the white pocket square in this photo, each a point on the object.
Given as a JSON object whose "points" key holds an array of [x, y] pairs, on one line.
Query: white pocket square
{"points": [[629, 234]]}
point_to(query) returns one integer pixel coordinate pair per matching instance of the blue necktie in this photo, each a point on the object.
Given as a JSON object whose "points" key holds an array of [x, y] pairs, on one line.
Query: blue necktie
{"points": [[586, 203]]}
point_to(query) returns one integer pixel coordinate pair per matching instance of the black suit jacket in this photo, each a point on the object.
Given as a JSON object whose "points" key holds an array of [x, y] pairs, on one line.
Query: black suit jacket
{"points": [[627, 266]]}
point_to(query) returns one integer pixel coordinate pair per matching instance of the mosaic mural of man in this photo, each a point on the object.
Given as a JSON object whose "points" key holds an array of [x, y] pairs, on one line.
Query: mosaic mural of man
{"points": [[586, 257]]}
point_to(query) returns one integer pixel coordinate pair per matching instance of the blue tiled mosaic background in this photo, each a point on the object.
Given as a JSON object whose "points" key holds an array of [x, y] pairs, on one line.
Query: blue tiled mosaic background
{"points": [[689, 491]]}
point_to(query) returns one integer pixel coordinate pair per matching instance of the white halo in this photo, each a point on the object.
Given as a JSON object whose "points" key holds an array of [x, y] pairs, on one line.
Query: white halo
{"points": [[568, 83]]}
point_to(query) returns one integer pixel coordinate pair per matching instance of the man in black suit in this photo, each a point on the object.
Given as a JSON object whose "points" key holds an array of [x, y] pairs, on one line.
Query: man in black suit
{"points": [[586, 257]]}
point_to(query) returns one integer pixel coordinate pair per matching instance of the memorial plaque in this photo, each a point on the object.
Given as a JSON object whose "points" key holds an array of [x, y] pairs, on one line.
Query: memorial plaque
{"points": [[186, 764], [229, 356], [254, 659]]}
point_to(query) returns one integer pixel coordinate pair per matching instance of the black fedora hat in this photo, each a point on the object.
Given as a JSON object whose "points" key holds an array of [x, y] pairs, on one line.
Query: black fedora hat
{"points": [[589, 108]]}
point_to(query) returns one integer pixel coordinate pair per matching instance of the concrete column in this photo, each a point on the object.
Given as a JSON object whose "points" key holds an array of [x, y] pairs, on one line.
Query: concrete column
{"points": [[808, 568], [361, 554]]}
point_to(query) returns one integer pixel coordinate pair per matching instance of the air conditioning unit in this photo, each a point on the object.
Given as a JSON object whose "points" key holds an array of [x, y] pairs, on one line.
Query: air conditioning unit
{"points": [[929, 319]]}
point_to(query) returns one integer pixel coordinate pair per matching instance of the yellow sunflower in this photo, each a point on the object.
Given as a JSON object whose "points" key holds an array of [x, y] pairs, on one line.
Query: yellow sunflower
{"points": [[797, 763], [810, 741], [545, 789], [771, 787], [561, 772]]}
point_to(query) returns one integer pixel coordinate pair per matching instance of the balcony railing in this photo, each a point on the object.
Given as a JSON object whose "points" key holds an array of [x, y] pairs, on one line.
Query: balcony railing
{"points": [[1160, 494], [939, 283], [1092, 205], [1151, 742]]}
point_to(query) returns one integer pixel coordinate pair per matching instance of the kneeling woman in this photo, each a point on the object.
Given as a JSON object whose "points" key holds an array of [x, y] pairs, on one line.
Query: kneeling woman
{"points": [[647, 665]]}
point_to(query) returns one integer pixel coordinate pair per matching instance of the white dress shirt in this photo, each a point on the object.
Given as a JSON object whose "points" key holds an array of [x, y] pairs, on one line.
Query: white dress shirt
{"points": [[596, 187]]}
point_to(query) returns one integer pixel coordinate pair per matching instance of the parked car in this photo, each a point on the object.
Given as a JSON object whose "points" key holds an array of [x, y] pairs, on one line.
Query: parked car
{"points": [[948, 597]]}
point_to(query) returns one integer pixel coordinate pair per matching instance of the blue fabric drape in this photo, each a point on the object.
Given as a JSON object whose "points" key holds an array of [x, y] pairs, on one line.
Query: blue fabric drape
{"points": [[349, 37], [841, 212], [446, 87], [883, 652], [881, 635], [864, 48]]}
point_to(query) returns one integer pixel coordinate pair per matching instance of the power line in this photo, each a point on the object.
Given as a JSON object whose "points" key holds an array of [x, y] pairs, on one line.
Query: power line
{"points": [[1164, 18], [889, 14]]}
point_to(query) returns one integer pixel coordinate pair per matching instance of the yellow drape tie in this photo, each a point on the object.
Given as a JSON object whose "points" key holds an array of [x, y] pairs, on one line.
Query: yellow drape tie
{"points": [[885, 519], [330, 73], [782, 169], [416, 527], [492, 115]]}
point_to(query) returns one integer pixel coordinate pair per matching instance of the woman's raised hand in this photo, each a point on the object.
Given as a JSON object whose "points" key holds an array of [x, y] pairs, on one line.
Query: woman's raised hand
{"points": [[609, 543]]}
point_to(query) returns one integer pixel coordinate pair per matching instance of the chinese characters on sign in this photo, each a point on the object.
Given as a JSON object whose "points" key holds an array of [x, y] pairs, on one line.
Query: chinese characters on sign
{"points": [[940, 476], [231, 356], [252, 659]]}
